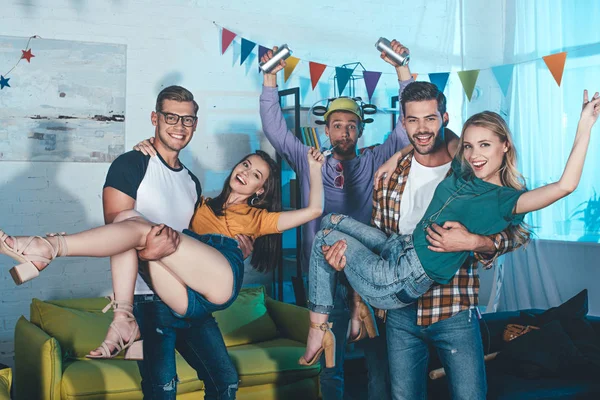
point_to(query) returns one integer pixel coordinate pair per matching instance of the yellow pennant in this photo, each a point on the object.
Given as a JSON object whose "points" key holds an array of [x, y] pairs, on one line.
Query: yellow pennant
{"points": [[291, 63]]}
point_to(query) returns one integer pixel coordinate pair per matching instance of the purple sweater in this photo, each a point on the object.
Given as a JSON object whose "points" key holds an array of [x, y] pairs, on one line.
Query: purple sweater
{"points": [[355, 199]]}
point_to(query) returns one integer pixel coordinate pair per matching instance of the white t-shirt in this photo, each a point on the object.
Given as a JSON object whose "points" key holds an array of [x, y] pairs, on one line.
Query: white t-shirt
{"points": [[162, 194], [418, 192]]}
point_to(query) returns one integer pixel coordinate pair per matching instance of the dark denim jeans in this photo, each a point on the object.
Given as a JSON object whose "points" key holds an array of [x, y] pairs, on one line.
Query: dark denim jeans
{"points": [[195, 335], [457, 341], [200, 343], [378, 377]]}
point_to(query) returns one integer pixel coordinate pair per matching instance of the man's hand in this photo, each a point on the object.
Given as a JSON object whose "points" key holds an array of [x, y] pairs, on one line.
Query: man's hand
{"points": [[246, 244], [162, 241], [398, 48], [452, 237], [145, 146], [335, 254], [270, 78]]}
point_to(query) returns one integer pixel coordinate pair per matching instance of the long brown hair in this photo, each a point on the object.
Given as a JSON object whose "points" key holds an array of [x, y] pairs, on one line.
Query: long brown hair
{"points": [[509, 174], [267, 249]]}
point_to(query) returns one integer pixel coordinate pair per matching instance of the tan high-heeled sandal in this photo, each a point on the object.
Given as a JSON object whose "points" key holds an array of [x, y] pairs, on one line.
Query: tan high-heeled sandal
{"points": [[27, 270], [133, 348], [368, 325], [327, 346]]}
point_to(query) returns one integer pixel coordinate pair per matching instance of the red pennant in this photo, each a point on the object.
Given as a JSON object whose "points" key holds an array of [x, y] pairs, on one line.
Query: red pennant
{"points": [[556, 65], [316, 70], [226, 38]]}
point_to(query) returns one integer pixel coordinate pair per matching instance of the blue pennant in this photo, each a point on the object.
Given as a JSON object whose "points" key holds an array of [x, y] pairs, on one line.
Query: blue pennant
{"points": [[343, 75], [247, 47], [439, 79]]}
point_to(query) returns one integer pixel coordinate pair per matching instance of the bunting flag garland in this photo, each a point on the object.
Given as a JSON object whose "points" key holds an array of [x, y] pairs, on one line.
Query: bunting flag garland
{"points": [[290, 65], [468, 80], [316, 70], [262, 50], [25, 55], [247, 47], [503, 74], [556, 65], [342, 76], [439, 79], [226, 38], [371, 81]]}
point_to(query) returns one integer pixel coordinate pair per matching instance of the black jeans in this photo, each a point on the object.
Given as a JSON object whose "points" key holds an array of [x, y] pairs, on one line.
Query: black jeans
{"points": [[200, 343]]}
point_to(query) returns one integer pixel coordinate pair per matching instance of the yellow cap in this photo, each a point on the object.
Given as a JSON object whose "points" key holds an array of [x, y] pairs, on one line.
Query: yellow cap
{"points": [[344, 104]]}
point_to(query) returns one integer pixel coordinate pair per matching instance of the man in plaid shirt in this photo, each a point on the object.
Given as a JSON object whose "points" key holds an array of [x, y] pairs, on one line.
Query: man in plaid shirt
{"points": [[445, 317]]}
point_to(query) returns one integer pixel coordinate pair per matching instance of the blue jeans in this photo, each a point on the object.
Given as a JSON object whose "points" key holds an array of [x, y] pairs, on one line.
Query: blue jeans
{"points": [[200, 343], [385, 271], [458, 344], [378, 377]]}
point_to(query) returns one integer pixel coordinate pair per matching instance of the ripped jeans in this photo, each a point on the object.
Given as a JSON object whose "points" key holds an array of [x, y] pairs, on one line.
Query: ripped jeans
{"points": [[200, 343], [384, 271]]}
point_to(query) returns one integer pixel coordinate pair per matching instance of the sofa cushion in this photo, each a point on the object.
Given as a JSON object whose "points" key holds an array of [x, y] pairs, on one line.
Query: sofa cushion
{"points": [[116, 379], [246, 320], [271, 361], [77, 331]]}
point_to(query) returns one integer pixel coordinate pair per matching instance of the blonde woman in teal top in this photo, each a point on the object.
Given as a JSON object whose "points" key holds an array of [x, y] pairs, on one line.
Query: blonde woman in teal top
{"points": [[485, 193]]}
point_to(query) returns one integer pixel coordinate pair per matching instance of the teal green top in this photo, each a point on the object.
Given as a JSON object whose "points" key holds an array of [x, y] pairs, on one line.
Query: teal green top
{"points": [[482, 207]]}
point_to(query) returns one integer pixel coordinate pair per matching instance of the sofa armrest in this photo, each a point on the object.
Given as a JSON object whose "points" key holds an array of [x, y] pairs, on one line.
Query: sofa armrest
{"points": [[292, 321], [38, 363]]}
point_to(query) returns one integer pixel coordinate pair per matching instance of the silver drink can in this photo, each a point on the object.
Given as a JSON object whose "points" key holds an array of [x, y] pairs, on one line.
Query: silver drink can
{"points": [[282, 53], [386, 46]]}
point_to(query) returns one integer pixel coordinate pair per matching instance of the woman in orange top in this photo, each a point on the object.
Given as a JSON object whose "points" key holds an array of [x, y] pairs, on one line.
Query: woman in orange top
{"points": [[205, 273]]}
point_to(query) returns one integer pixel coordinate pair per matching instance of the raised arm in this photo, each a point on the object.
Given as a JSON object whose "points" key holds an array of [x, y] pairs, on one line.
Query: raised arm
{"points": [[274, 126], [314, 209], [544, 196]]}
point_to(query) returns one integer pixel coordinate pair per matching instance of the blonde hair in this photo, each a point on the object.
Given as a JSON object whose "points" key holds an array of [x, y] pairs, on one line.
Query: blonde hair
{"points": [[509, 174]]}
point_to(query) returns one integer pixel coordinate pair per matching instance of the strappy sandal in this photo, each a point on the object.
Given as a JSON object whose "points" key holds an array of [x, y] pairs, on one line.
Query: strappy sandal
{"points": [[327, 346], [368, 326], [133, 348], [27, 270]]}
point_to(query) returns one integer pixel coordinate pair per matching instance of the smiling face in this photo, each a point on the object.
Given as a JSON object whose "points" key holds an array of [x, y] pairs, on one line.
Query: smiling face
{"points": [[485, 152], [249, 176], [424, 125], [173, 137]]}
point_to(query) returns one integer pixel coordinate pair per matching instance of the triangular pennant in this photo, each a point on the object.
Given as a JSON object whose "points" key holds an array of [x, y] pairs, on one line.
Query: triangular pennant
{"points": [[371, 81], [439, 79], [247, 47], [468, 80], [342, 76], [290, 65], [262, 50], [226, 38], [503, 74], [316, 70], [414, 76], [556, 65]]}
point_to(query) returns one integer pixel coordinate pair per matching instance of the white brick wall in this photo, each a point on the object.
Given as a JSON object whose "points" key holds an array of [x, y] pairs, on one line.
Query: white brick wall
{"points": [[176, 43]]}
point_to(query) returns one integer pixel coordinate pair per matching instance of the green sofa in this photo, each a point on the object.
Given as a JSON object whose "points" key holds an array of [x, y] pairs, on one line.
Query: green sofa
{"points": [[264, 338]]}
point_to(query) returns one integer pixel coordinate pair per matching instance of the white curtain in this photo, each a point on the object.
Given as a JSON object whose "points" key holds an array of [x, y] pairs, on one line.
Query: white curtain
{"points": [[564, 256]]}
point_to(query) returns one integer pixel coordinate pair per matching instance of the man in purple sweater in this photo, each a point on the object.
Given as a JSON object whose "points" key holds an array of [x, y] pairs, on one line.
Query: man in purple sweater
{"points": [[348, 185]]}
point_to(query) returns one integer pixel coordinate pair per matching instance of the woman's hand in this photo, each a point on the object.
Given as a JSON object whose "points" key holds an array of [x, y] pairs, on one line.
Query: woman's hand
{"points": [[146, 147], [315, 158], [590, 109]]}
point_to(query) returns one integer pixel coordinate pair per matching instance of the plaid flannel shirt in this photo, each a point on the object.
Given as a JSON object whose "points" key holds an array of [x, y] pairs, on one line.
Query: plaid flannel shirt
{"points": [[462, 292]]}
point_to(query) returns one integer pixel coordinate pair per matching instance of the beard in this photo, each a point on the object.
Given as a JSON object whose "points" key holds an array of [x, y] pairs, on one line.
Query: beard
{"points": [[428, 148], [344, 147]]}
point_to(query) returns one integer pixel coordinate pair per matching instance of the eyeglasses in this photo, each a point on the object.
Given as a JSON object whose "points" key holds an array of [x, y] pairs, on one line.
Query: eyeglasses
{"points": [[338, 182], [173, 119]]}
